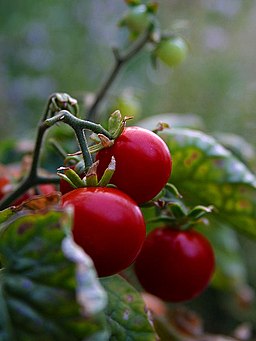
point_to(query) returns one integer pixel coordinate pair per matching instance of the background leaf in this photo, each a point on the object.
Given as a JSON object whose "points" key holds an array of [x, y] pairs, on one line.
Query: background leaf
{"points": [[125, 312], [177, 120], [48, 287], [208, 174]]}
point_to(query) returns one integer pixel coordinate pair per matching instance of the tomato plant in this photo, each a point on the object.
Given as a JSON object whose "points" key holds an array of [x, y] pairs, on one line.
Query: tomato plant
{"points": [[143, 163], [108, 225], [49, 252], [175, 265]]}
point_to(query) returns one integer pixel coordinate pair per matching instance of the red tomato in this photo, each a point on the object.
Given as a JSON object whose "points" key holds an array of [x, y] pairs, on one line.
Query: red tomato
{"points": [[143, 163], [175, 265], [65, 187], [44, 190], [4, 181], [108, 225]]}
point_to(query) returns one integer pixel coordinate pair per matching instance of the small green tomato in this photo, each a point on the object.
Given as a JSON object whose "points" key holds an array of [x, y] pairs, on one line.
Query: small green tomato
{"points": [[136, 19], [171, 51]]}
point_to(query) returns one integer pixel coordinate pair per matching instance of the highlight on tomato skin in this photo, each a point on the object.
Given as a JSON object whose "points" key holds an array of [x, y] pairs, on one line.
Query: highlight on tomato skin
{"points": [[143, 163], [108, 225], [175, 265]]}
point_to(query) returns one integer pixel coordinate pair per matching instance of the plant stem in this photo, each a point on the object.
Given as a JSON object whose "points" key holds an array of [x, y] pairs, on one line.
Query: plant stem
{"points": [[79, 126], [32, 179], [120, 60]]}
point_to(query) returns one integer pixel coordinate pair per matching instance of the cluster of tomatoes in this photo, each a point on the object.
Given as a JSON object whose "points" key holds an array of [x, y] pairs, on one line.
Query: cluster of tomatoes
{"points": [[172, 264], [170, 49], [108, 224]]}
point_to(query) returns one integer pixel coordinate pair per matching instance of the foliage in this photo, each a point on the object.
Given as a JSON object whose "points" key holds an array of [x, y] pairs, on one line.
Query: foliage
{"points": [[49, 288]]}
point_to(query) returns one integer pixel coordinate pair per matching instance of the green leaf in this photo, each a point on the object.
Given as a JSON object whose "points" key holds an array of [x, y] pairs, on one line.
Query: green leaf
{"points": [[174, 120], [5, 214], [208, 174], [126, 312], [48, 286], [230, 272]]}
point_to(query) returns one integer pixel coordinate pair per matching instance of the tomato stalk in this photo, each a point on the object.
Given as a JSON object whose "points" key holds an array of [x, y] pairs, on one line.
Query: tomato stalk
{"points": [[53, 114], [79, 127], [33, 178], [120, 60]]}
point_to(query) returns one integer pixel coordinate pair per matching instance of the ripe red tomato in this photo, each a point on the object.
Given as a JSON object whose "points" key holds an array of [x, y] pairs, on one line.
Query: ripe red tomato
{"points": [[175, 265], [4, 181], [108, 225], [44, 190], [65, 187], [143, 163]]}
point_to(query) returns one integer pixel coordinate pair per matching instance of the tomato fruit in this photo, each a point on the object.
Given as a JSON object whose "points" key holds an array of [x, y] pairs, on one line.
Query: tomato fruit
{"points": [[65, 187], [143, 163], [171, 51], [175, 265], [108, 225], [44, 189], [137, 18], [4, 181]]}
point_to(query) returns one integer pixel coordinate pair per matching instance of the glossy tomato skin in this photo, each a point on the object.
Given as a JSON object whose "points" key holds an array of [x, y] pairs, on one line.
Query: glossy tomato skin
{"points": [[175, 265], [143, 163], [108, 225]]}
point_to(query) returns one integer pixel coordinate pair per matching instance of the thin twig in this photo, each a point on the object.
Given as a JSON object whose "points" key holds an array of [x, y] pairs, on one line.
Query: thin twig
{"points": [[120, 60]]}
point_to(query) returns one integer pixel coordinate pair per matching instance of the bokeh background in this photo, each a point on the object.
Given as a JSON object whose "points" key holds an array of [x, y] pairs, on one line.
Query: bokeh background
{"points": [[66, 46]]}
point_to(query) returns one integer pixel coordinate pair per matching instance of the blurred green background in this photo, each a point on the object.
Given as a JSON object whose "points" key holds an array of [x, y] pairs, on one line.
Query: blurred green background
{"points": [[65, 46]]}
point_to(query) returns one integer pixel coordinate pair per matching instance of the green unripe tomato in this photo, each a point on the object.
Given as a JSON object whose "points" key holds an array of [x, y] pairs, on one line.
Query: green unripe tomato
{"points": [[136, 19], [171, 51]]}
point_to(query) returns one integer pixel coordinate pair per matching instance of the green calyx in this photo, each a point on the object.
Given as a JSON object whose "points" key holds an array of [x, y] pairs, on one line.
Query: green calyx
{"points": [[90, 179], [173, 211]]}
